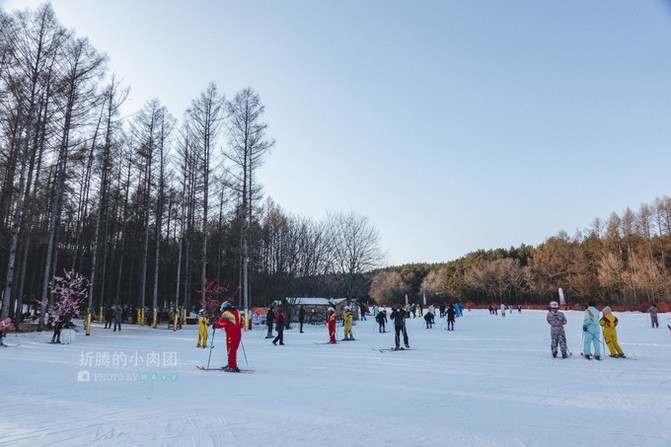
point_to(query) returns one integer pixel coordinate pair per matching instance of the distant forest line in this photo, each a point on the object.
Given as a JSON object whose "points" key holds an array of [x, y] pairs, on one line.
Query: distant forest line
{"points": [[624, 260]]}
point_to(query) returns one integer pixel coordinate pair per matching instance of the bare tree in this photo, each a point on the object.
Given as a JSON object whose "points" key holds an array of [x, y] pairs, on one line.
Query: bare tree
{"points": [[205, 118], [355, 249], [248, 145], [36, 41]]}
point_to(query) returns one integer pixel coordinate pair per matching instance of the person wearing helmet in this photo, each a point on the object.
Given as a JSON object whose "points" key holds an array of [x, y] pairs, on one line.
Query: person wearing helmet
{"points": [[590, 326], [203, 322], [347, 319], [609, 322], [232, 323], [557, 320], [331, 319]]}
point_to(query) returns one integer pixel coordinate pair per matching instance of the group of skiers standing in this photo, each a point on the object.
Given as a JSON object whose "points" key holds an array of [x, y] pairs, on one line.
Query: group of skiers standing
{"points": [[591, 332]]}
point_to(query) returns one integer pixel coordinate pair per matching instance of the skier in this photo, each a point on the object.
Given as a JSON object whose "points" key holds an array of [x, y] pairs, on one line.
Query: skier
{"points": [[279, 327], [503, 310], [413, 309], [441, 308], [557, 321], [590, 327], [451, 313], [5, 325], [56, 338], [653, 310], [609, 322], [458, 310], [301, 317], [270, 318], [430, 316], [231, 322], [331, 319], [398, 315], [118, 316], [203, 322], [347, 324], [381, 319]]}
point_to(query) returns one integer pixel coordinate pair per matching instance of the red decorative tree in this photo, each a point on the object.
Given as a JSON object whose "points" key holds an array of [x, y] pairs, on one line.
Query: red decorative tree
{"points": [[211, 304], [69, 292]]}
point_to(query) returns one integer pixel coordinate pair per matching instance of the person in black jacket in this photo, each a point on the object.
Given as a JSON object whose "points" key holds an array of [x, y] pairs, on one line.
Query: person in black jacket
{"points": [[381, 319], [109, 317], [398, 315], [451, 313], [270, 318], [301, 317]]}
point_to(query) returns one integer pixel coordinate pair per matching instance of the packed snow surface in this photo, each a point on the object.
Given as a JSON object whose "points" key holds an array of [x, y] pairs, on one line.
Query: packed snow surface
{"points": [[491, 382]]}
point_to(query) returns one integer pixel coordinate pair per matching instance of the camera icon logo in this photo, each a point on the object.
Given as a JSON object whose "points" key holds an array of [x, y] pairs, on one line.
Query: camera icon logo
{"points": [[83, 376]]}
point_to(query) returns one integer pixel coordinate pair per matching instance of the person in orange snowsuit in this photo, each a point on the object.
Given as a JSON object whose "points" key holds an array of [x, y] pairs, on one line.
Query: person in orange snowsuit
{"points": [[230, 320], [331, 318], [609, 322]]}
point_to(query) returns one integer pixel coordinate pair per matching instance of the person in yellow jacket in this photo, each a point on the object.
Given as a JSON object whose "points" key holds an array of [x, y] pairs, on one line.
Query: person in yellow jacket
{"points": [[347, 318], [203, 321], [609, 322]]}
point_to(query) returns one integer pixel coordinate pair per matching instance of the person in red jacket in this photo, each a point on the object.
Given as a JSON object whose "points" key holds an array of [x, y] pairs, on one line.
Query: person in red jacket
{"points": [[279, 327], [331, 319], [232, 323]]}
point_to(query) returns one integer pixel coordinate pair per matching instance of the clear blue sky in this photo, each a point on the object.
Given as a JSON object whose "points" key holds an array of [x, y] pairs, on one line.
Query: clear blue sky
{"points": [[452, 125]]}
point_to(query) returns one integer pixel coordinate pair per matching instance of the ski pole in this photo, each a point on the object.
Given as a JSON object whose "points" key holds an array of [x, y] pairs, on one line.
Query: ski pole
{"points": [[211, 346], [244, 353]]}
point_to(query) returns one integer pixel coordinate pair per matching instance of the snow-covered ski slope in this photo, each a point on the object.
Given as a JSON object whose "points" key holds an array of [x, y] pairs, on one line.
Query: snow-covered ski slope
{"points": [[491, 382]]}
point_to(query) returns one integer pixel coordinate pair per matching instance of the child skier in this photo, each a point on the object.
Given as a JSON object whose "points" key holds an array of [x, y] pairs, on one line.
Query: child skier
{"points": [[331, 319], [590, 327], [203, 322], [347, 324], [557, 321], [231, 322], [609, 322]]}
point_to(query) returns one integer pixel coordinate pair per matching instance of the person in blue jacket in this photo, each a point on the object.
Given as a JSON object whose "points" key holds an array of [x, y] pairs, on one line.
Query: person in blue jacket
{"points": [[590, 327]]}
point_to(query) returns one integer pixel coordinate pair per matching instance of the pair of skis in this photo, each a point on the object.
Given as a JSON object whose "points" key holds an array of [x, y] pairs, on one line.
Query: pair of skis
{"points": [[205, 368]]}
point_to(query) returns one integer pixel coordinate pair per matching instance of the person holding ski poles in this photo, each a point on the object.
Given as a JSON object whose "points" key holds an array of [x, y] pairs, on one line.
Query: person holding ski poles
{"points": [[590, 328], [331, 319], [609, 322], [230, 320], [203, 323], [557, 321], [398, 315]]}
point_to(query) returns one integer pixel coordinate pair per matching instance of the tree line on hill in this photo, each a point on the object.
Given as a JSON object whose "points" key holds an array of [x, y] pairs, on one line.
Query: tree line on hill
{"points": [[625, 260]]}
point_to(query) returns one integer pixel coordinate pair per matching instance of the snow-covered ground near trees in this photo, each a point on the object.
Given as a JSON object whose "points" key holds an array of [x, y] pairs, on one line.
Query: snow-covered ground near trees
{"points": [[491, 382]]}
